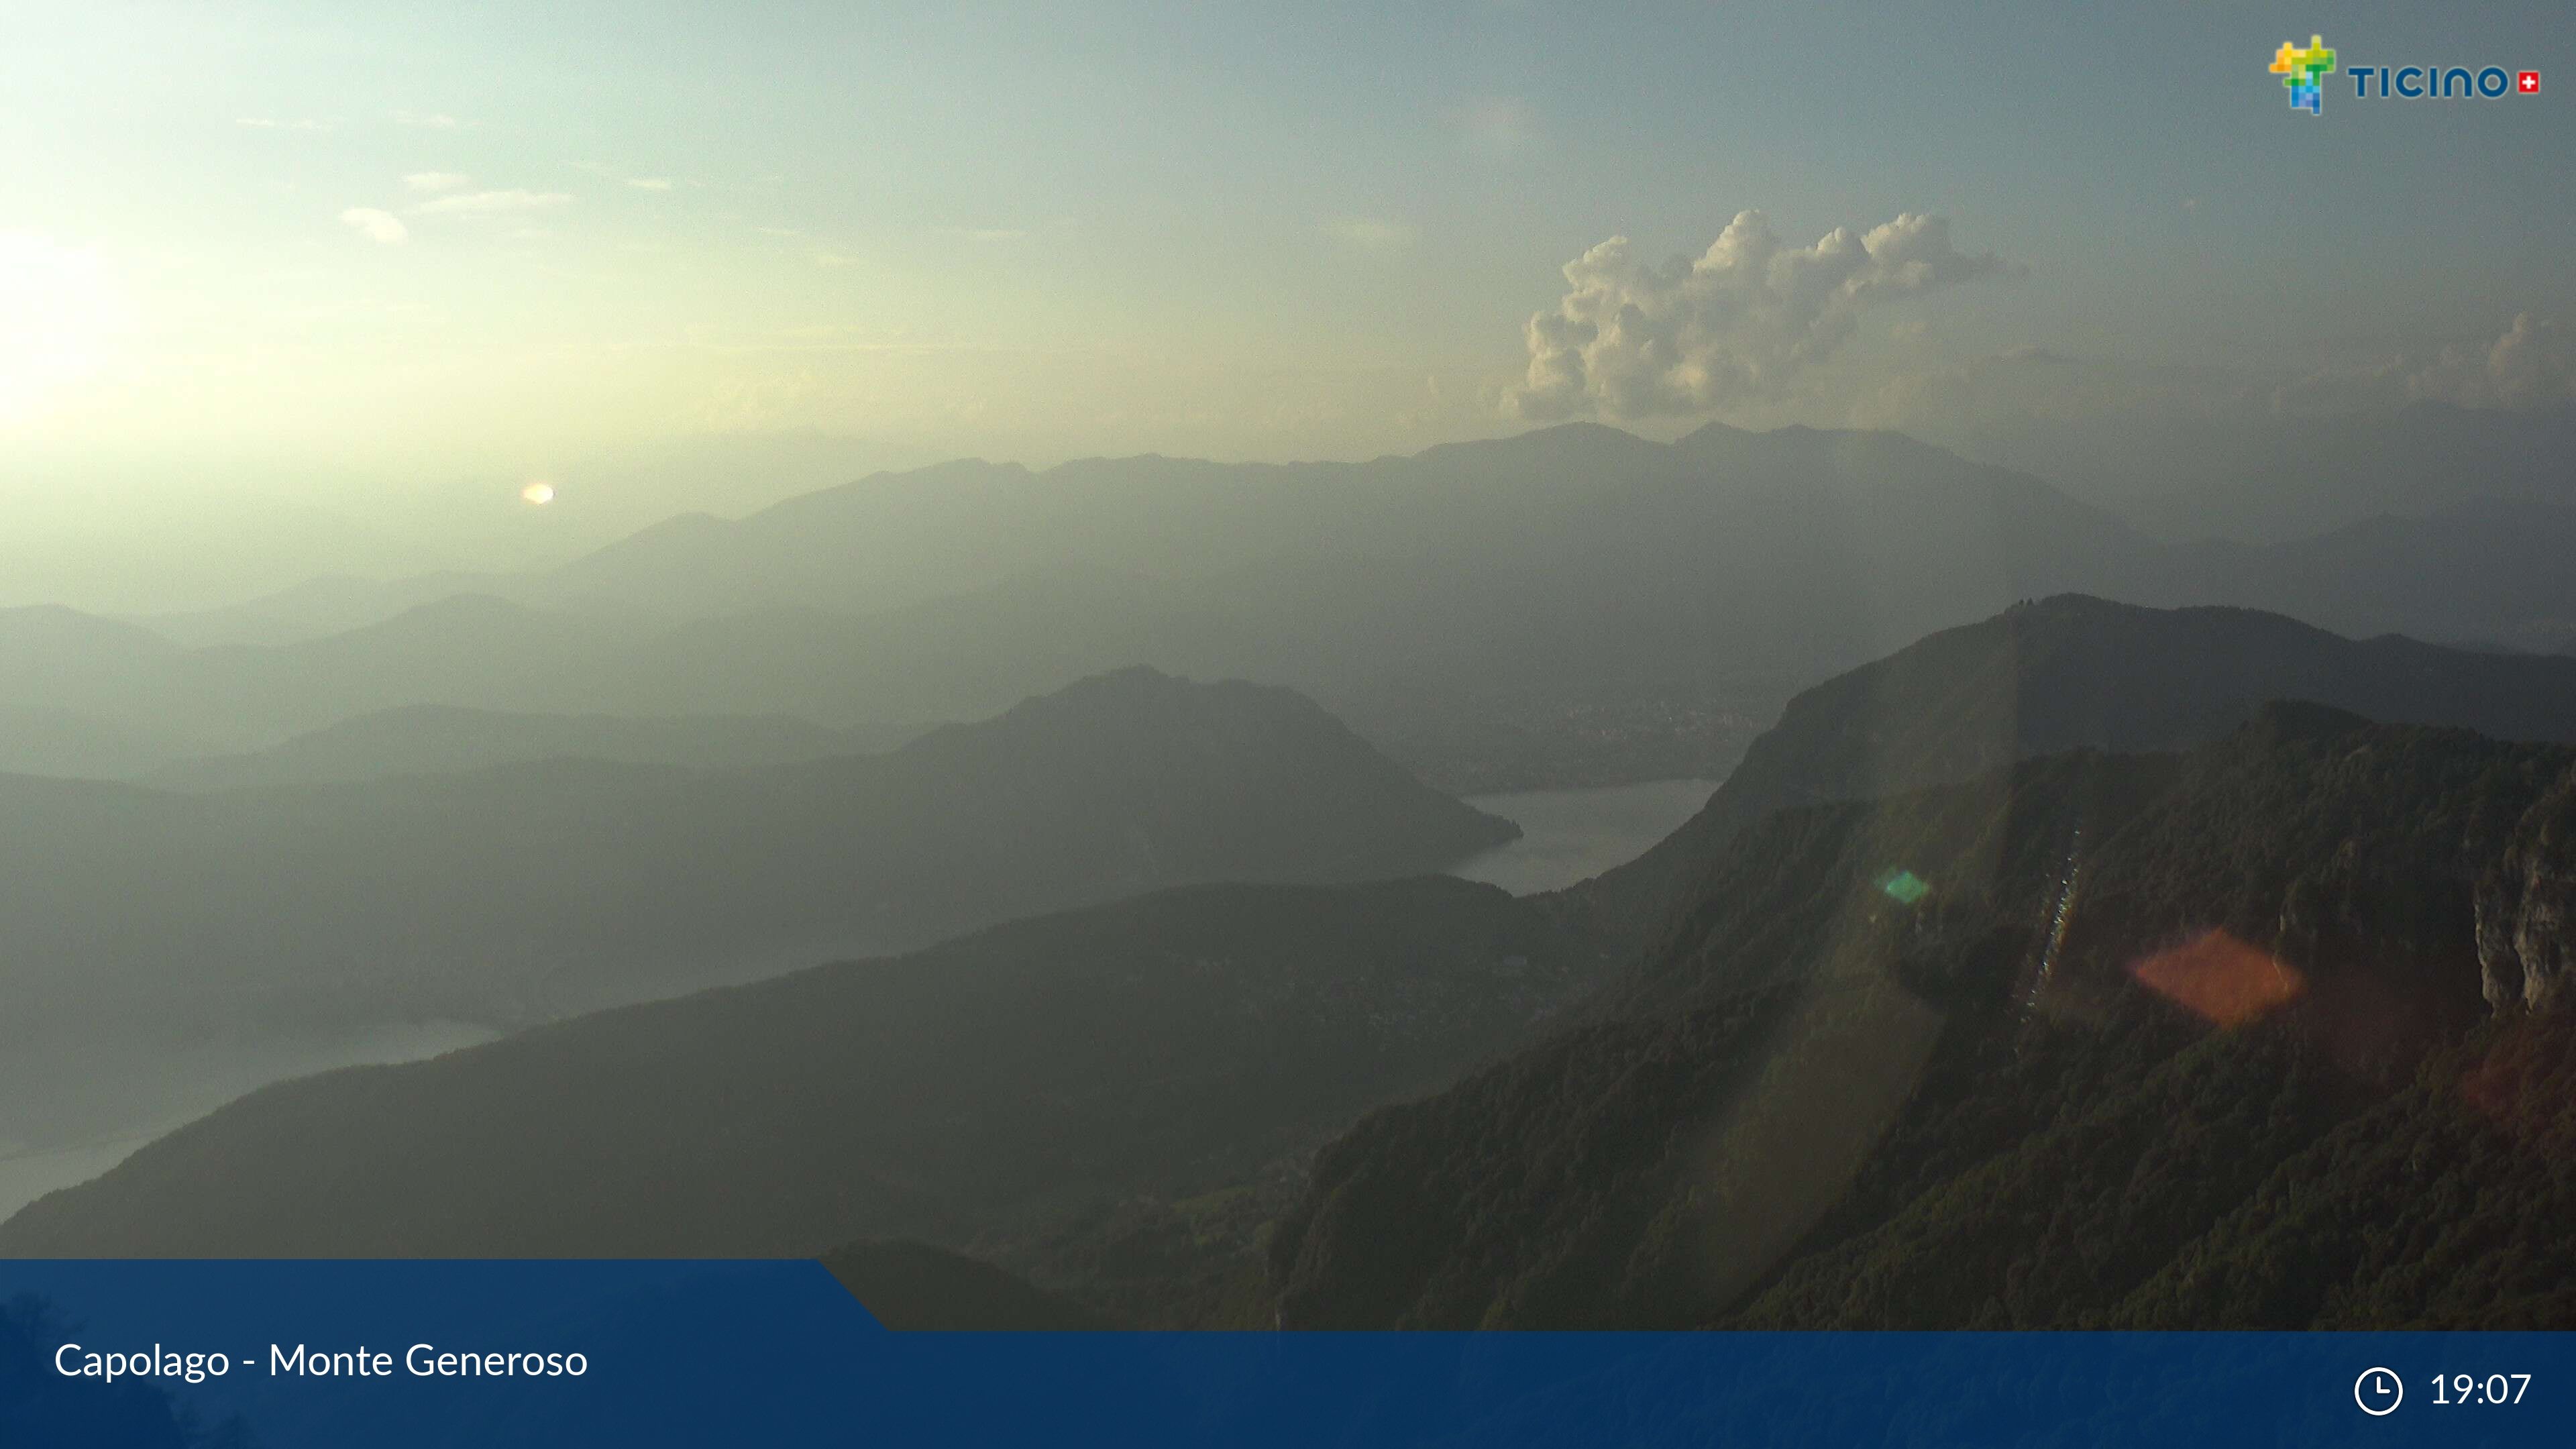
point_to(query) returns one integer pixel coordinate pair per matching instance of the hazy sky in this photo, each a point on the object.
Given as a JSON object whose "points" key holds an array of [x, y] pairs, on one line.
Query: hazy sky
{"points": [[360, 258]]}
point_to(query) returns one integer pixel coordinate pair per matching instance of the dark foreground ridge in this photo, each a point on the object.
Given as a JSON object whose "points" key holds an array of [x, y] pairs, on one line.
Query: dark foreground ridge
{"points": [[2264, 1034]]}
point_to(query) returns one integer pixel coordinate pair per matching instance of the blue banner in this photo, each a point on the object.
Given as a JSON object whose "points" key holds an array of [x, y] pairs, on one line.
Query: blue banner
{"points": [[753, 1353]]}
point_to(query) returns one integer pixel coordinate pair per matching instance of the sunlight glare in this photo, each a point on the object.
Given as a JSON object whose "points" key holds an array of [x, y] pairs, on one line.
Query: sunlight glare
{"points": [[58, 312]]}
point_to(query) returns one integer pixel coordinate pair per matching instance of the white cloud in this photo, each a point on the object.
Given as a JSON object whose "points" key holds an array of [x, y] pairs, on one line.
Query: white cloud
{"points": [[492, 203], [650, 183], [381, 227], [2532, 365], [429, 120], [269, 123], [1370, 233], [1736, 324], [435, 181]]}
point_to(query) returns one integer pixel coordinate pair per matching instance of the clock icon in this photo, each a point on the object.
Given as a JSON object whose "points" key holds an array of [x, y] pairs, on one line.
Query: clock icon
{"points": [[2378, 1391]]}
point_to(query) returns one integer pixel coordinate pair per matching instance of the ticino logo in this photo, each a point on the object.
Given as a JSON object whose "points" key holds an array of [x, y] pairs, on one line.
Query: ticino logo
{"points": [[2303, 70]]}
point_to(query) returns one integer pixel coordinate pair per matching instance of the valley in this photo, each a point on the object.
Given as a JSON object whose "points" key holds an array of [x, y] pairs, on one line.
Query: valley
{"points": [[1191, 1004]]}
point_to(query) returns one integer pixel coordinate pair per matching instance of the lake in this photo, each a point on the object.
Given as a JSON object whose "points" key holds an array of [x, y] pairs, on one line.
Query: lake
{"points": [[50, 1140], [1566, 836], [1572, 835]]}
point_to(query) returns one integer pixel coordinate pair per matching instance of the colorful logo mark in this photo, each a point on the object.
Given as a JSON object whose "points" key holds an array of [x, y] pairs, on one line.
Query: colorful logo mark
{"points": [[2304, 69]]}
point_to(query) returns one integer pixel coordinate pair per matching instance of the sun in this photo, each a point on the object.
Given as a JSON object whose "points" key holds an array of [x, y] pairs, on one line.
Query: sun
{"points": [[539, 493], [59, 315]]}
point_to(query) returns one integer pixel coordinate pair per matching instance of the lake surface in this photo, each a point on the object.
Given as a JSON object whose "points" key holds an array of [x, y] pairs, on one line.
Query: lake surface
{"points": [[49, 1144], [1566, 836], [1572, 835]]}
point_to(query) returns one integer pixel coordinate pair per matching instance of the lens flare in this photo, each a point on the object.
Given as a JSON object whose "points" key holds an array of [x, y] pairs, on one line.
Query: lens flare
{"points": [[2221, 978], [1905, 886]]}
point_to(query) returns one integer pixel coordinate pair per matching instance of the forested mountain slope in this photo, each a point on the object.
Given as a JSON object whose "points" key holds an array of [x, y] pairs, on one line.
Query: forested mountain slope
{"points": [[2266, 1033]]}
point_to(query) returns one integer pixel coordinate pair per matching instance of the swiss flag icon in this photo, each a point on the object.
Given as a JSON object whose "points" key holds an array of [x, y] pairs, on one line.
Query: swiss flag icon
{"points": [[2528, 83]]}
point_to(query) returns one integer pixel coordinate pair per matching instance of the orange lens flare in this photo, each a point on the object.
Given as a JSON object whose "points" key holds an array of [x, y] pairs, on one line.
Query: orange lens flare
{"points": [[2221, 978]]}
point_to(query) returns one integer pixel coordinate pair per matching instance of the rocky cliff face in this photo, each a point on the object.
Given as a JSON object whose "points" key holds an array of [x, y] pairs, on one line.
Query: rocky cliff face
{"points": [[2527, 907]]}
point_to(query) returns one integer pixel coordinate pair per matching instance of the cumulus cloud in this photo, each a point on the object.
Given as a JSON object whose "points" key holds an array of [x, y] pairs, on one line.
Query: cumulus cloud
{"points": [[381, 227], [435, 181], [2532, 365], [1736, 324], [492, 203]]}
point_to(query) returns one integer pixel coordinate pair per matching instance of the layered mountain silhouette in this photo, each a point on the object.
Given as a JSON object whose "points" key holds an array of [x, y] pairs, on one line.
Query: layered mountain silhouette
{"points": [[1896, 522], [1518, 583], [522, 891], [2152, 1040], [1931, 1003], [898, 539], [1573, 604], [1170, 1044], [430, 739]]}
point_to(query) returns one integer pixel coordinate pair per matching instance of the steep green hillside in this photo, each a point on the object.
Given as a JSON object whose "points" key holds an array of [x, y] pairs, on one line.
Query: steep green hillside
{"points": [[2065, 1045]]}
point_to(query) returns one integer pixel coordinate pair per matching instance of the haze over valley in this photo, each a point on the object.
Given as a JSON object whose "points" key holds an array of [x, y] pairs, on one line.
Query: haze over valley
{"points": [[1191, 667]]}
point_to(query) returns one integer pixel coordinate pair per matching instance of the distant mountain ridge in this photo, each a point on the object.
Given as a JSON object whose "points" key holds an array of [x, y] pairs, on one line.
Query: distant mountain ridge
{"points": [[1572, 605], [1476, 609], [430, 739], [893, 540], [137, 922]]}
